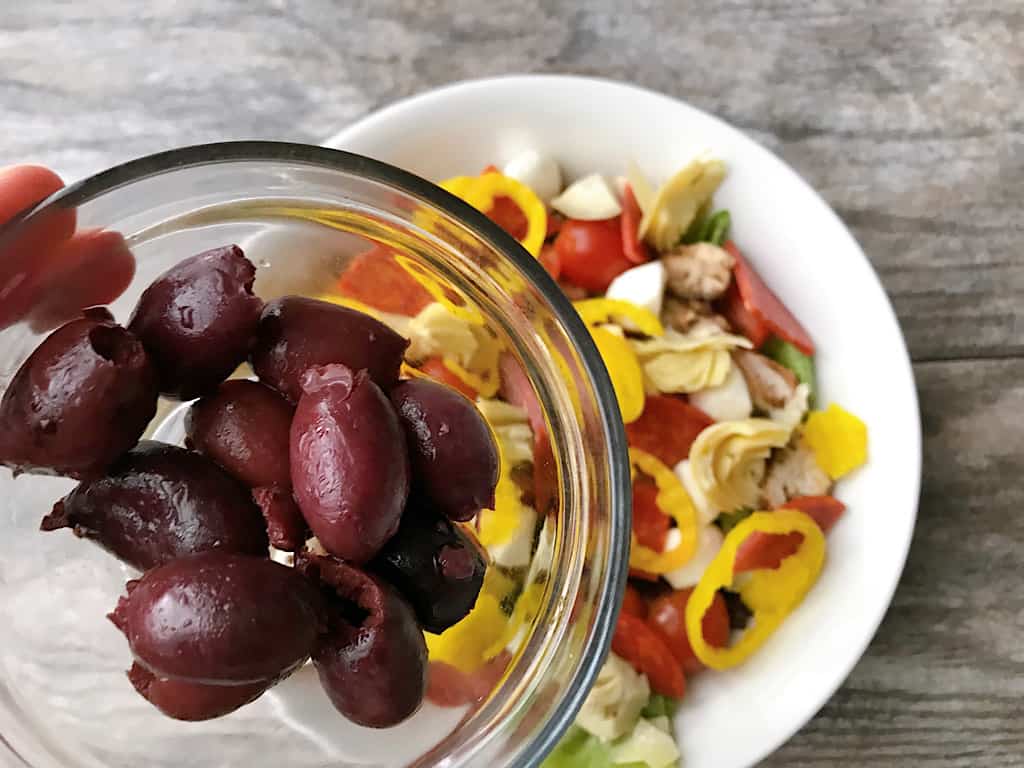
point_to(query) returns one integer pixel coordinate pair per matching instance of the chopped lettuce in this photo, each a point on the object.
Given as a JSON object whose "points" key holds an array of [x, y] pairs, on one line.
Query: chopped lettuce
{"points": [[729, 520], [647, 745], [659, 706], [785, 354], [713, 228]]}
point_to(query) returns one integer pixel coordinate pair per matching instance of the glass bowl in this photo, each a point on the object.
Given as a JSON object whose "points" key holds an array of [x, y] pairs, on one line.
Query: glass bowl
{"points": [[300, 213]]}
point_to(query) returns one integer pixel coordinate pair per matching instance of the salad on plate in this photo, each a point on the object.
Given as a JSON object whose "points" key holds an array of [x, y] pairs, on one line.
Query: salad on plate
{"points": [[734, 453]]}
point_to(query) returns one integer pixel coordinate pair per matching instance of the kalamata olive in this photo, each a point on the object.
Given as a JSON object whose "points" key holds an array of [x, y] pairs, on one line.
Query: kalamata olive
{"points": [[435, 566], [372, 661], [296, 333], [198, 319], [159, 502], [218, 617], [79, 401], [192, 701], [451, 449], [244, 427], [350, 469]]}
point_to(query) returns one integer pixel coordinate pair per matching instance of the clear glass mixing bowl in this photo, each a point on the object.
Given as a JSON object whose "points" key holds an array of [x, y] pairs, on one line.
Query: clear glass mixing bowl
{"points": [[301, 213]]}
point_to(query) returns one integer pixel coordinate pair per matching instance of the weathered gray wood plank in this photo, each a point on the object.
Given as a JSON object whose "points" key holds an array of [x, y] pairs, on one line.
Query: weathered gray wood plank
{"points": [[943, 682]]}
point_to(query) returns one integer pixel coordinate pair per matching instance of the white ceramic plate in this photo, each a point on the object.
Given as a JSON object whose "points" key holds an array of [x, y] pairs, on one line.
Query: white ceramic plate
{"points": [[811, 261]]}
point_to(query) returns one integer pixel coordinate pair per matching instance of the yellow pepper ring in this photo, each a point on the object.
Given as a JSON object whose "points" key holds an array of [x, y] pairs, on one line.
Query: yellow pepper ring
{"points": [[675, 502], [624, 371], [598, 311], [770, 594], [481, 191]]}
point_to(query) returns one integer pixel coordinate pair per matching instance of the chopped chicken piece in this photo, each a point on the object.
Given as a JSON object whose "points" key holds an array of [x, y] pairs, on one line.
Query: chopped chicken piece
{"points": [[685, 315], [771, 385], [793, 472], [698, 271]]}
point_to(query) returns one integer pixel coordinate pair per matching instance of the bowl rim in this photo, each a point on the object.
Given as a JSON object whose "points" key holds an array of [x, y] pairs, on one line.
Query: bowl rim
{"points": [[609, 599], [435, 97]]}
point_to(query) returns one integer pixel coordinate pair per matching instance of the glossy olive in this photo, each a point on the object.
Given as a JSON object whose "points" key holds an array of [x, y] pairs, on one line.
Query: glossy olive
{"points": [[372, 661], [451, 449], [159, 502], [198, 320], [217, 617], [296, 333], [192, 701], [350, 470], [244, 426], [435, 565], [79, 401]]}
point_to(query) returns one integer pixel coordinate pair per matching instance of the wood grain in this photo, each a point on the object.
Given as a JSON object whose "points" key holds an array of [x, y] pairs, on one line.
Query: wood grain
{"points": [[907, 116]]}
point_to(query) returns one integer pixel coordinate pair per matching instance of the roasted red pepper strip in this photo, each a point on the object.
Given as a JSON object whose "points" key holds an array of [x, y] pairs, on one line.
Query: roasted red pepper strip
{"points": [[634, 248], [764, 306]]}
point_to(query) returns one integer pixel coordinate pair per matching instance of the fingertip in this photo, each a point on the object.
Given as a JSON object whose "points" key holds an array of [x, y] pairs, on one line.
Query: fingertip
{"points": [[24, 185]]}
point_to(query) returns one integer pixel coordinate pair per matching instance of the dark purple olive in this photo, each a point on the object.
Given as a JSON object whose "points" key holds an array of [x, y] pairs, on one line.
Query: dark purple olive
{"points": [[244, 427], [198, 320], [350, 470], [451, 449], [159, 502], [192, 701], [296, 333], [79, 401], [435, 565], [372, 661], [217, 617]]}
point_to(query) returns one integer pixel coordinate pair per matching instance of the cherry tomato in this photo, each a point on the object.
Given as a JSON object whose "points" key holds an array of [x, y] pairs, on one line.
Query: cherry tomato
{"points": [[555, 222], [768, 550], [591, 252], [667, 616], [633, 603], [549, 259], [667, 428], [436, 369], [641, 646], [765, 306], [634, 248], [377, 280], [650, 524]]}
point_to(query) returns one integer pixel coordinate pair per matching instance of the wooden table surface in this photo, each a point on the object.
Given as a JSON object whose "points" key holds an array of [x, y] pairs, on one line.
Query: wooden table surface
{"points": [[907, 117]]}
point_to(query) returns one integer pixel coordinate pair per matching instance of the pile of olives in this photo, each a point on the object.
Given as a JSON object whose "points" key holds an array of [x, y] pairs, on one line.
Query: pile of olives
{"points": [[365, 477]]}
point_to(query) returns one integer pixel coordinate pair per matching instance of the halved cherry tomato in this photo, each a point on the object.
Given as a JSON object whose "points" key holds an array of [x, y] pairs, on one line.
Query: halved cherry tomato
{"points": [[449, 686], [591, 252], [641, 646], [650, 524], [549, 259], [765, 306], [435, 368], [667, 428], [377, 280], [768, 550], [633, 603], [634, 248], [667, 616]]}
